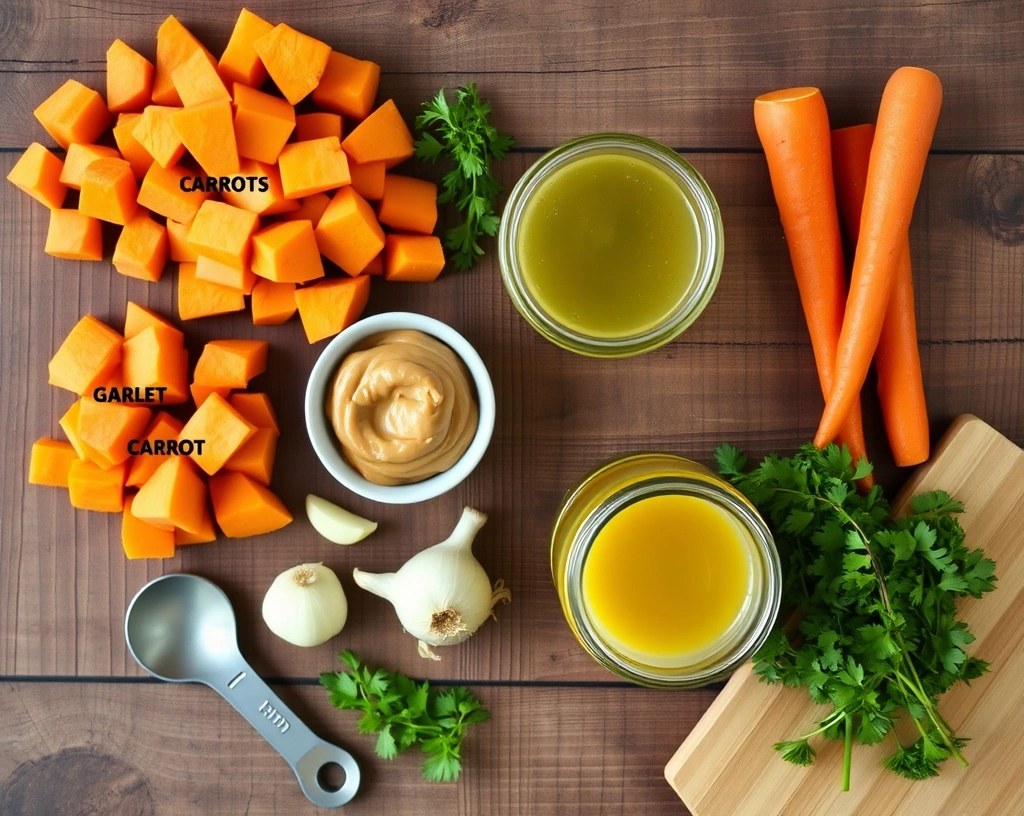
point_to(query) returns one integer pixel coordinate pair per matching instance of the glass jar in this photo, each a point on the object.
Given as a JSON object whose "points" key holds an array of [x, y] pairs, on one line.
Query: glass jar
{"points": [[608, 489], [709, 244]]}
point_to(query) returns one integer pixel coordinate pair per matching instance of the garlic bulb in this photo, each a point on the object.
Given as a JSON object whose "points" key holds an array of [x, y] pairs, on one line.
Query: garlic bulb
{"points": [[306, 605], [441, 595]]}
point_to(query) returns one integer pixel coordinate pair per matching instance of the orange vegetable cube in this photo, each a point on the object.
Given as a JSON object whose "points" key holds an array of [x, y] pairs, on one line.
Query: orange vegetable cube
{"points": [[223, 430], [273, 303], [174, 496], [213, 271], [130, 148], [317, 125], [256, 457], [244, 508], [413, 258], [311, 208], [209, 134], [139, 539], [269, 201], [348, 86], [174, 45], [312, 167], [141, 250], [161, 192], [240, 62], [69, 424], [87, 357], [295, 61], [106, 428], [287, 251], [368, 179], [38, 173], [256, 408], [137, 319], [129, 78], [231, 363], [381, 136], [375, 267], [196, 80], [206, 533], [329, 306], [199, 298], [200, 393], [155, 357], [79, 157], [73, 113], [348, 232], [155, 131], [177, 242], [51, 461], [74, 236], [162, 428], [224, 233], [90, 487], [408, 204], [109, 191], [263, 124]]}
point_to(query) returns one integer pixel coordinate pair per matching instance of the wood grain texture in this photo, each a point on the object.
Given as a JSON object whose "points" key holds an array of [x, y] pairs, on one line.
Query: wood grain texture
{"points": [[684, 73], [742, 373], [727, 765], [183, 750]]}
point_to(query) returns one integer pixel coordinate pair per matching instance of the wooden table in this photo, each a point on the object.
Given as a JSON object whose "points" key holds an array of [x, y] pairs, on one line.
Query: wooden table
{"points": [[86, 732]]}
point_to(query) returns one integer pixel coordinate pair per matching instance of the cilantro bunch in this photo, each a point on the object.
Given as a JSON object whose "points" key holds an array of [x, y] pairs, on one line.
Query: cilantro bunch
{"points": [[471, 143], [404, 713], [877, 631]]}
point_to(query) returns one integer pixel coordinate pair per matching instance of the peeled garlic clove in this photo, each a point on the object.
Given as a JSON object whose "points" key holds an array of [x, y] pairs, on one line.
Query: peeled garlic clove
{"points": [[306, 605], [337, 524]]}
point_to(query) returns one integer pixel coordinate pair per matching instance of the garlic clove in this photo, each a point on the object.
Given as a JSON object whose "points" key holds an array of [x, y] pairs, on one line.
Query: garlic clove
{"points": [[337, 524], [306, 605]]}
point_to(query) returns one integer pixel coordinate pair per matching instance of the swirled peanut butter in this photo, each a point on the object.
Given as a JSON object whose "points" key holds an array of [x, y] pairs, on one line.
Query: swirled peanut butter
{"points": [[402, 407]]}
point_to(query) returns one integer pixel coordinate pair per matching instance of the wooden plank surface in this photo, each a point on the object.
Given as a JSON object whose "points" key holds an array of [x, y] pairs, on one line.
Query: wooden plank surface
{"points": [[183, 750]]}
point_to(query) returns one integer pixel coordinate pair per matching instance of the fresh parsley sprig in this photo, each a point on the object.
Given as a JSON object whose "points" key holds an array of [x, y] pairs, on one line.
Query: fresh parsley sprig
{"points": [[471, 143], [876, 600], [404, 713]]}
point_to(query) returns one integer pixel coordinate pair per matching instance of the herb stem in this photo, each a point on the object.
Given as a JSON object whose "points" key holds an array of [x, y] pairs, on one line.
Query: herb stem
{"points": [[847, 752]]}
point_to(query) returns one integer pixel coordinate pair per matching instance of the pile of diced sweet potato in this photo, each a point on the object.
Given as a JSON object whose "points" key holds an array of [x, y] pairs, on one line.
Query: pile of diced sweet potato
{"points": [[215, 172], [116, 444]]}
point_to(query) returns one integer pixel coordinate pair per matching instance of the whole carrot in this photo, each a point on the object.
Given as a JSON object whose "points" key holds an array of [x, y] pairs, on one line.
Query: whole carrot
{"points": [[897, 360], [793, 127], [906, 124]]}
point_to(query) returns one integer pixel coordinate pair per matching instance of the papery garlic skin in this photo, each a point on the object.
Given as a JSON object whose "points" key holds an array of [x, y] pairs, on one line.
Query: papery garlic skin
{"points": [[306, 605]]}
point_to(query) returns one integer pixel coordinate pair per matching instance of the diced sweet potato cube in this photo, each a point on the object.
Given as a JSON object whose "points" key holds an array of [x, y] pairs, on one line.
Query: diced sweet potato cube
{"points": [[231, 363], [201, 393], [311, 208], [199, 298], [51, 461], [90, 487], [263, 123], [381, 136], [256, 457], [213, 271], [73, 113], [106, 428], [164, 427], [329, 306], [253, 197], [155, 357], [196, 80], [224, 233], [348, 86], [317, 125], [312, 167], [368, 179], [408, 204], [161, 192], [174, 496], [138, 318], [79, 157], [256, 408], [348, 232], [141, 250], [38, 173], [206, 533], [131, 149], [244, 508], [109, 191], [287, 251], [417, 258], [240, 62], [208, 133], [223, 430], [87, 357], [174, 45], [295, 61], [272, 303], [178, 249], [139, 539], [74, 236], [69, 424], [155, 131], [129, 78]]}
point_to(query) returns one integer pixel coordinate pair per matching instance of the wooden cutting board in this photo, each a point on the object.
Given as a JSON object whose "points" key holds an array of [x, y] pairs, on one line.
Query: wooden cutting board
{"points": [[727, 767]]}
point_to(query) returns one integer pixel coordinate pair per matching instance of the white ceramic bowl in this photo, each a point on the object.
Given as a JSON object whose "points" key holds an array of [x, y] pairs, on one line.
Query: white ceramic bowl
{"points": [[321, 433]]}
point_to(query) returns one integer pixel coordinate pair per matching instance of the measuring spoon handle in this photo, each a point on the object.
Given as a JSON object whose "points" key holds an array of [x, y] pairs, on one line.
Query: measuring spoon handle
{"points": [[303, 750]]}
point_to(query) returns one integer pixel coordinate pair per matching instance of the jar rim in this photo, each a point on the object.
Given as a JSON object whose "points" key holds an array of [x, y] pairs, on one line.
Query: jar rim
{"points": [[709, 225]]}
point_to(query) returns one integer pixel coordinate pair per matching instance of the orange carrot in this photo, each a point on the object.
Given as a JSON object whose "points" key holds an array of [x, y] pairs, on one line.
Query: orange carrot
{"points": [[906, 124], [897, 361], [793, 128]]}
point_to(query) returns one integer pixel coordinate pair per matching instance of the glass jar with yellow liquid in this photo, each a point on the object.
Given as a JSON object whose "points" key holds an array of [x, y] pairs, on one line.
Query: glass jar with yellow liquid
{"points": [[667, 575]]}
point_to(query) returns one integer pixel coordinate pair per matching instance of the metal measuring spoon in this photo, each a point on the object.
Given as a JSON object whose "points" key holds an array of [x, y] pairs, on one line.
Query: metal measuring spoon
{"points": [[181, 628]]}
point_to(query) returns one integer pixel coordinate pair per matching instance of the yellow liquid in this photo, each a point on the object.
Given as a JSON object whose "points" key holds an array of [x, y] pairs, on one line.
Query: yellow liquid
{"points": [[667, 577], [609, 246]]}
